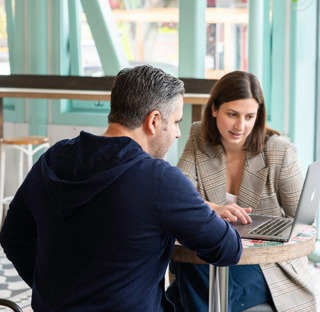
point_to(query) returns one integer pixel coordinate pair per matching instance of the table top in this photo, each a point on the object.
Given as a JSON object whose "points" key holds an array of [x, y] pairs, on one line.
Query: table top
{"points": [[259, 251]]}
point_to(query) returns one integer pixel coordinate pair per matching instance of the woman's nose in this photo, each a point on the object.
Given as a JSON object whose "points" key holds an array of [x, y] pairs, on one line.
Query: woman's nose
{"points": [[239, 124]]}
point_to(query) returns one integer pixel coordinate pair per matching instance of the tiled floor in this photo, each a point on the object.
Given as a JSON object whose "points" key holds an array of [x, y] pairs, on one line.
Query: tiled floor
{"points": [[11, 285]]}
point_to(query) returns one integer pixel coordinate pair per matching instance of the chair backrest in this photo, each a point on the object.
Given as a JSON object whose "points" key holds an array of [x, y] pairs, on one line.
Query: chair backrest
{"points": [[10, 304]]}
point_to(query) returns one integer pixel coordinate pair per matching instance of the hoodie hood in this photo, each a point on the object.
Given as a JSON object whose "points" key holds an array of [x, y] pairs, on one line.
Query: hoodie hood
{"points": [[76, 171]]}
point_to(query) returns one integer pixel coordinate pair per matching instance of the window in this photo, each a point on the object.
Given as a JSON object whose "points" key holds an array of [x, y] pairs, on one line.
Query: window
{"points": [[150, 34], [227, 33], [4, 50]]}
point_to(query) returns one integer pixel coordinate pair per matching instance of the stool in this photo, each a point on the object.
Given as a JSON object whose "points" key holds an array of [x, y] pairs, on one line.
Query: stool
{"points": [[24, 145]]}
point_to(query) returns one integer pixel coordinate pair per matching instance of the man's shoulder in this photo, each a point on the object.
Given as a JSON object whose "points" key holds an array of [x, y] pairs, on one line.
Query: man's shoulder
{"points": [[66, 142], [162, 170], [160, 165]]}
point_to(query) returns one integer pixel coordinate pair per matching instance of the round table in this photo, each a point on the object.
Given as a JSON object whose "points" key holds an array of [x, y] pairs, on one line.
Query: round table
{"points": [[254, 252]]}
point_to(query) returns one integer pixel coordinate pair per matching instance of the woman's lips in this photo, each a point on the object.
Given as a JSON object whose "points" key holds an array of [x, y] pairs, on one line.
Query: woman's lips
{"points": [[235, 135]]}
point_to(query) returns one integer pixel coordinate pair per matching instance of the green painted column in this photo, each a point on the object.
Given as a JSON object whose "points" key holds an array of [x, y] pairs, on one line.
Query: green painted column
{"points": [[105, 35], [192, 53], [255, 45], [303, 83], [59, 51], [60, 55], [266, 67], [279, 67], [14, 109], [192, 38], [19, 40], [75, 37], [37, 62], [259, 46]]}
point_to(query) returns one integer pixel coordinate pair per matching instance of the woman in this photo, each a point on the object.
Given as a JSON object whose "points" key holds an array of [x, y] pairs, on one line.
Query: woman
{"points": [[239, 166]]}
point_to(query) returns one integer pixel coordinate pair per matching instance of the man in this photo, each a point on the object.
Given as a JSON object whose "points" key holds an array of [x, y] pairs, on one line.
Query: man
{"points": [[93, 225]]}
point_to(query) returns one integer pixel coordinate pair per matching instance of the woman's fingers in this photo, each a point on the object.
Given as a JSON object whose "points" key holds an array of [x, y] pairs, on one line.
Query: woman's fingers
{"points": [[232, 212], [240, 213]]}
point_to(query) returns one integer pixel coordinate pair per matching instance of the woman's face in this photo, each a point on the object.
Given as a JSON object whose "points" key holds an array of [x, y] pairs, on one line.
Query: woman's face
{"points": [[235, 120]]}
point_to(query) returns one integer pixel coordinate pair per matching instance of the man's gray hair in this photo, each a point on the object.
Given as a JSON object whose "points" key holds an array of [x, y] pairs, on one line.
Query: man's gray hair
{"points": [[140, 90]]}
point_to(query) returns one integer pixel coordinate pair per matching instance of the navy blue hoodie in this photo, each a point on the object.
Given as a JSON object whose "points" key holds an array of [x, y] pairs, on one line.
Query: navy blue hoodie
{"points": [[94, 223]]}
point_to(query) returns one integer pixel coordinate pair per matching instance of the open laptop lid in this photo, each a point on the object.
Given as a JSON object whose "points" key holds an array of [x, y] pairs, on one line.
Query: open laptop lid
{"points": [[305, 214], [309, 200]]}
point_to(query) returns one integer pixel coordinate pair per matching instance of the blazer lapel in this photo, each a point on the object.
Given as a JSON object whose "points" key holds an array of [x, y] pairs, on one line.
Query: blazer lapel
{"points": [[213, 174], [253, 181]]}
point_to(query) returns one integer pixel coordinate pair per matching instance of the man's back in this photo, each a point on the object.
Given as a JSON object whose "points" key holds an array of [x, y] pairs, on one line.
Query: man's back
{"points": [[110, 255], [106, 215]]}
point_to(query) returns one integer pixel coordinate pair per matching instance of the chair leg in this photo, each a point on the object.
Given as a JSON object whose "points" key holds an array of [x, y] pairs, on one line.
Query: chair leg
{"points": [[20, 167], [29, 157]]}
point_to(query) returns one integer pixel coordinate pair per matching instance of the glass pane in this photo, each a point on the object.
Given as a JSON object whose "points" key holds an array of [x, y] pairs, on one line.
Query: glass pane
{"points": [[4, 51], [149, 33], [227, 37], [90, 58]]}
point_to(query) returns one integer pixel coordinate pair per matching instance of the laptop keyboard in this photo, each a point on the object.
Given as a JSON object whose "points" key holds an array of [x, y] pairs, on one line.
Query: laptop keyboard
{"points": [[273, 227]]}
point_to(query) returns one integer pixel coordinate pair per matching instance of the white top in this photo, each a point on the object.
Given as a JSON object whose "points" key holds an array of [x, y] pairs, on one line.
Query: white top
{"points": [[231, 198]]}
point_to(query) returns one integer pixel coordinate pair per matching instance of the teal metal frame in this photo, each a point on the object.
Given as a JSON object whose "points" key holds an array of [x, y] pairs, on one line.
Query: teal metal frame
{"points": [[105, 35], [75, 10], [282, 45], [290, 105], [37, 43], [278, 77], [302, 79], [77, 112], [14, 109], [192, 53]]}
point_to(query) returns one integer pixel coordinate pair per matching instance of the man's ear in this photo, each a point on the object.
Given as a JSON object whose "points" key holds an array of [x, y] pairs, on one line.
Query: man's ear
{"points": [[153, 121]]}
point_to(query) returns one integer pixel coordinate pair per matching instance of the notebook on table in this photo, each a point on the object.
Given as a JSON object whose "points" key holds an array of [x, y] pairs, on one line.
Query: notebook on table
{"points": [[280, 228]]}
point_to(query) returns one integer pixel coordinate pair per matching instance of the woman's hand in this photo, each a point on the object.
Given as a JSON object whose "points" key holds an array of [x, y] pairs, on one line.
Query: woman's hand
{"points": [[231, 212]]}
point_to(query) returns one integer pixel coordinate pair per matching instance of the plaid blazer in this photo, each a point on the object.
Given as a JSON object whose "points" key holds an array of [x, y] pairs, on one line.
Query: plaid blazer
{"points": [[271, 184]]}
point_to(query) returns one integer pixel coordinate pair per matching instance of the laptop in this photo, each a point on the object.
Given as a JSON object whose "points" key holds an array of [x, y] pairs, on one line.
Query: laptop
{"points": [[282, 229]]}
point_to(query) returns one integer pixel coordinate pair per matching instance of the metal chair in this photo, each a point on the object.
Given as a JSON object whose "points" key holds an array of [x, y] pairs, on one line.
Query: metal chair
{"points": [[25, 146], [10, 304]]}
